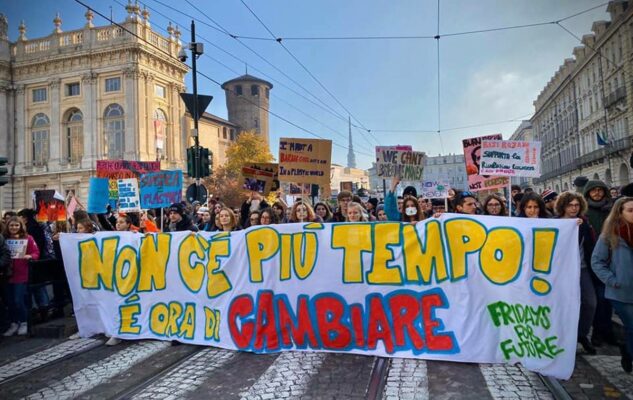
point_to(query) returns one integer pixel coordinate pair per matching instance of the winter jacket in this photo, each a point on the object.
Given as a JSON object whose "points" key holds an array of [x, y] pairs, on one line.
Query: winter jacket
{"points": [[597, 212], [245, 211], [614, 267], [185, 224], [391, 207], [5, 256], [21, 265]]}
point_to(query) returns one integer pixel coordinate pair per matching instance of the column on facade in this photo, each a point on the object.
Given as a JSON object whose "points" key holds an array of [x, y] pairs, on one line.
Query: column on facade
{"points": [[145, 115], [92, 132], [131, 114], [177, 132], [54, 135], [21, 127]]}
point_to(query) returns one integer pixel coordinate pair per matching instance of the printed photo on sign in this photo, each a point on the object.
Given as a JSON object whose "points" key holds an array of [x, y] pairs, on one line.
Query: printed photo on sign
{"points": [[260, 177], [472, 158]]}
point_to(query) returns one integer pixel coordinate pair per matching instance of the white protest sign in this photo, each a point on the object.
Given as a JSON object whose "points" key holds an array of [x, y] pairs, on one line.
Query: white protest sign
{"points": [[129, 200], [17, 247], [459, 288], [510, 158], [434, 189], [392, 162]]}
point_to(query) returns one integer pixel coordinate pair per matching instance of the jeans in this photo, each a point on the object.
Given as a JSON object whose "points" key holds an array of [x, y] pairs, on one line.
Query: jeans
{"points": [[602, 324], [625, 312], [40, 293], [16, 297], [587, 303]]}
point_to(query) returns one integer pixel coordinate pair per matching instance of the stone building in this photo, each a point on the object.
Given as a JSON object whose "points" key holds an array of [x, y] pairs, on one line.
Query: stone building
{"points": [[72, 98], [585, 105], [450, 168], [247, 100], [339, 173]]}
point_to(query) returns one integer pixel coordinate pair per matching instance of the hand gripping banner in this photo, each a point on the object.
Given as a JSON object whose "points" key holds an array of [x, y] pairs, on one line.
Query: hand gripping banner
{"points": [[459, 288]]}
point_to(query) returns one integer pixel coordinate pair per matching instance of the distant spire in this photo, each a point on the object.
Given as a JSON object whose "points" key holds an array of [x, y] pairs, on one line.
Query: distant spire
{"points": [[351, 157], [246, 65]]}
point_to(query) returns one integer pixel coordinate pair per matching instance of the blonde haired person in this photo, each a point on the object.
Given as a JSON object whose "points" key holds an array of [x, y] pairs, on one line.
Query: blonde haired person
{"points": [[228, 220], [612, 261], [303, 212], [356, 213]]}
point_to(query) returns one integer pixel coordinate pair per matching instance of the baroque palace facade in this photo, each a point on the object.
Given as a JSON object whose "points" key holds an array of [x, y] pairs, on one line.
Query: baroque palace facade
{"points": [[584, 116], [72, 98]]}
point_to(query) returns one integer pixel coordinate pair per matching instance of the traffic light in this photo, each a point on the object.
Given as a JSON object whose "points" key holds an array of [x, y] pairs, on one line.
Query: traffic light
{"points": [[206, 162], [4, 179], [191, 160]]}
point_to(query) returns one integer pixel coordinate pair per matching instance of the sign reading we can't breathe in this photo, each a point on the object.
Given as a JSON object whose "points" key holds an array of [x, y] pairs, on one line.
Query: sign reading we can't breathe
{"points": [[393, 161]]}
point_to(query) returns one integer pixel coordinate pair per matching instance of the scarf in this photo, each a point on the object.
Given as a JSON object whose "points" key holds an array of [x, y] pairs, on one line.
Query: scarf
{"points": [[626, 233], [597, 204]]}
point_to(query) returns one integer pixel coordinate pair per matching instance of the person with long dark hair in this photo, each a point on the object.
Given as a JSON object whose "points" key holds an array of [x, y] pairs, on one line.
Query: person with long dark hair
{"points": [[532, 206], [494, 205]]}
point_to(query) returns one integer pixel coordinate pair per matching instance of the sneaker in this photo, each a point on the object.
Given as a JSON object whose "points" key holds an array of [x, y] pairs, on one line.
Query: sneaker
{"points": [[74, 336], [586, 344], [113, 341], [12, 330], [23, 329]]}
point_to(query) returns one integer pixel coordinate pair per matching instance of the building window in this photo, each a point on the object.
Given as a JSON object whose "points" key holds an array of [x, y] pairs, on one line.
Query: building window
{"points": [[238, 90], [224, 133], [160, 133], [113, 84], [256, 122], [233, 134], [267, 93], [254, 90], [74, 138], [114, 130], [40, 128], [39, 95], [159, 91], [73, 89]]}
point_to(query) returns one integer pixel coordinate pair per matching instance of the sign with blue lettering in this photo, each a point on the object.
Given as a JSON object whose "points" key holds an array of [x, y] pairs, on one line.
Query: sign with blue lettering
{"points": [[160, 189], [128, 195], [98, 195]]}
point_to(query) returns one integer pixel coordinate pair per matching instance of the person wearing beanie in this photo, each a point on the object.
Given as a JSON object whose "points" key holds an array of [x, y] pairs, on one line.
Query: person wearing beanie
{"points": [[549, 198], [627, 190], [178, 220], [599, 205], [580, 183]]}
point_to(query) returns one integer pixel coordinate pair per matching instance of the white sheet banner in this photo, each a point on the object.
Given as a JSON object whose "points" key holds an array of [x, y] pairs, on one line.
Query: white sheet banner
{"points": [[510, 158], [459, 288]]}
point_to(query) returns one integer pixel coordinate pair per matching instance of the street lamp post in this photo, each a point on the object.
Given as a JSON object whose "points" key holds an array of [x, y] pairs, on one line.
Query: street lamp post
{"points": [[196, 142]]}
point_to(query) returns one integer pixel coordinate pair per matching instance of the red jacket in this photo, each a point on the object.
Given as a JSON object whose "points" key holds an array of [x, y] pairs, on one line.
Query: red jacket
{"points": [[21, 265]]}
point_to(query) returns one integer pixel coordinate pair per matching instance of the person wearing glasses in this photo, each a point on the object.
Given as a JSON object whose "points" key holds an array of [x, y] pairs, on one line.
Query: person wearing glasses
{"points": [[494, 205], [253, 218], [573, 205], [465, 203], [268, 217]]}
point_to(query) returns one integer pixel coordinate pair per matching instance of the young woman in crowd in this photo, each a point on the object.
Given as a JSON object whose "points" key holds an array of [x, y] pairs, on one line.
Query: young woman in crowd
{"points": [[85, 226], [268, 217], [207, 220], [612, 261], [17, 287], [322, 210], [531, 206], [253, 218], [148, 222], [228, 221], [303, 212], [573, 205], [494, 205], [411, 210], [380, 213], [280, 211], [356, 213]]}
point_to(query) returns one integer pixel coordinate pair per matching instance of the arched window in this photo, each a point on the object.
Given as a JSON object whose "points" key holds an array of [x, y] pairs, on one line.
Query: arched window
{"points": [[114, 130], [160, 133], [254, 90], [238, 90], [73, 146], [40, 128]]}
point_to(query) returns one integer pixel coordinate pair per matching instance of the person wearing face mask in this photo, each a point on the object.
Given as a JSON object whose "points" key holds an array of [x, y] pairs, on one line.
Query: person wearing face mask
{"points": [[255, 202], [392, 208], [411, 210]]}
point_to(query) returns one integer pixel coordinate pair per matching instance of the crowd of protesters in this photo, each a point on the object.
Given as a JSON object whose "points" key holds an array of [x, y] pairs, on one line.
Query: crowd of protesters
{"points": [[604, 216]]}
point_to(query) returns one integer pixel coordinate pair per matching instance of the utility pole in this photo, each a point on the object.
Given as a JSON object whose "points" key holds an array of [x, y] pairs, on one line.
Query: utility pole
{"points": [[196, 141]]}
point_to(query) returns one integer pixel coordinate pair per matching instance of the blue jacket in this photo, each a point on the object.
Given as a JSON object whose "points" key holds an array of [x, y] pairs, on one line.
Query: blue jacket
{"points": [[614, 267], [391, 207]]}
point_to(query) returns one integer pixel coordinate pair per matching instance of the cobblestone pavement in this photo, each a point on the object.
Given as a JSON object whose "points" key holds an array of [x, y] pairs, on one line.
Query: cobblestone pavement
{"points": [[156, 370]]}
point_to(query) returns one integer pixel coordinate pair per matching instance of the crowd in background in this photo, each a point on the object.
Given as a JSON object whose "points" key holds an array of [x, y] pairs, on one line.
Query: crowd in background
{"points": [[604, 216]]}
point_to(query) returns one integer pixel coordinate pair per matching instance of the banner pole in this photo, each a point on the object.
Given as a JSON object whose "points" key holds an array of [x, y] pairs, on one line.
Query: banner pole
{"points": [[162, 219], [445, 204], [509, 197]]}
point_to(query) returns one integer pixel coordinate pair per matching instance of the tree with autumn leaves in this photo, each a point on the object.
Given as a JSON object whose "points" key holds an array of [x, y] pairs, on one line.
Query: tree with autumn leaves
{"points": [[225, 180]]}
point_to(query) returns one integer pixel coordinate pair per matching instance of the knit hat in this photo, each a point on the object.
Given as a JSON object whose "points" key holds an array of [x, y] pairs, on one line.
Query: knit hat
{"points": [[581, 181], [373, 201], [549, 195], [202, 210], [627, 190], [177, 208], [410, 191]]}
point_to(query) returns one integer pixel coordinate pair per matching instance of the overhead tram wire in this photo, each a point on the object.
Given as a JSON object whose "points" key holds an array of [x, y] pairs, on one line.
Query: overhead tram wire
{"points": [[439, 90], [518, 119], [317, 80], [339, 133], [213, 80]]}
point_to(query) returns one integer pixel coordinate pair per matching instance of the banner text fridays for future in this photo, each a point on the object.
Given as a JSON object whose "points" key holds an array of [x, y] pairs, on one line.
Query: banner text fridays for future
{"points": [[471, 289]]}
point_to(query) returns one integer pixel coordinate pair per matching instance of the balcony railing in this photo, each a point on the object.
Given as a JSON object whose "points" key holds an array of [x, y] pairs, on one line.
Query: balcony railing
{"points": [[615, 96]]}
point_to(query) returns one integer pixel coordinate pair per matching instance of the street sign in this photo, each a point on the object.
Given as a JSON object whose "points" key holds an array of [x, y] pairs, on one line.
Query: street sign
{"points": [[191, 193], [203, 102]]}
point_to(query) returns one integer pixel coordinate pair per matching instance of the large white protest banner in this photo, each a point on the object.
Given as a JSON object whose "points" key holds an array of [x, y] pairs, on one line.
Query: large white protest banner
{"points": [[511, 158], [459, 288]]}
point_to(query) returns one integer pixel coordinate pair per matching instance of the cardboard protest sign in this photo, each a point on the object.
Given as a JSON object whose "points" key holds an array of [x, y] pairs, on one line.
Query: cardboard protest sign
{"points": [[17, 247], [118, 169], [99, 195], [511, 158], [128, 195], [434, 190], [50, 206], [407, 164], [160, 189], [459, 288], [472, 157], [347, 186], [260, 177], [305, 160]]}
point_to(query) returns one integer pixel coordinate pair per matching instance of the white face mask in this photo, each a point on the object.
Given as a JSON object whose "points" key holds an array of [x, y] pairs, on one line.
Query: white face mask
{"points": [[410, 211]]}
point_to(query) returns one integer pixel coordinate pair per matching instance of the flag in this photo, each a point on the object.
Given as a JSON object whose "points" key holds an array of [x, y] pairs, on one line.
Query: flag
{"points": [[602, 141]]}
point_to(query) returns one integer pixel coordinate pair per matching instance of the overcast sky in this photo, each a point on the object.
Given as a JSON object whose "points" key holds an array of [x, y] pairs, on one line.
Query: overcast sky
{"points": [[385, 84]]}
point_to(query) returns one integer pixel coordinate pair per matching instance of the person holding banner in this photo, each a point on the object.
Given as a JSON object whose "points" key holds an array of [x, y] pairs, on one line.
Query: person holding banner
{"points": [[612, 261], [532, 206], [303, 212], [411, 210], [465, 203], [228, 221], [207, 221], [381, 216], [356, 213], [268, 217], [323, 210], [494, 205], [178, 220], [573, 205], [17, 286], [124, 224]]}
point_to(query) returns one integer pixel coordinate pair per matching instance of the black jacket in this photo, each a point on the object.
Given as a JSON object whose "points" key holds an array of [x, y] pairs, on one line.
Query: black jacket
{"points": [[185, 224]]}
